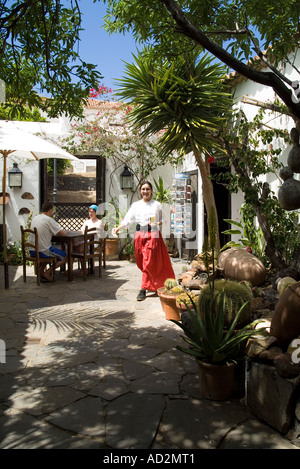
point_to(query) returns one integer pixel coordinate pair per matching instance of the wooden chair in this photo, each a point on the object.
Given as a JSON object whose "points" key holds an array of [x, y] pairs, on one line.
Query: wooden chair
{"points": [[93, 249], [37, 260]]}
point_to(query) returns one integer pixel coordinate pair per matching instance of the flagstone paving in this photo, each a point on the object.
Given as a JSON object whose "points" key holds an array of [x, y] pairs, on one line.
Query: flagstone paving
{"points": [[89, 367]]}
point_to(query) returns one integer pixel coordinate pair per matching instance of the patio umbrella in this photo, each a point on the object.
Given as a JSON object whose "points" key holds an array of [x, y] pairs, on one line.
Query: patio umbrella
{"points": [[28, 146]]}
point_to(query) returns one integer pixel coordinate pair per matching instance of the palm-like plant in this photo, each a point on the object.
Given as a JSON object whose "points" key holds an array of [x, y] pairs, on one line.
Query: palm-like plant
{"points": [[184, 102], [162, 194]]}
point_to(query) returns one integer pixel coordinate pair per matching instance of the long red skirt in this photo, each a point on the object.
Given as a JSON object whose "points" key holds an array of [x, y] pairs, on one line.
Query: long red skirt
{"points": [[152, 259]]}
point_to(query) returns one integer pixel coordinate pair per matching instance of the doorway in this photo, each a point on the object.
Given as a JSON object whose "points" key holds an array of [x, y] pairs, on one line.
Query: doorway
{"points": [[76, 190]]}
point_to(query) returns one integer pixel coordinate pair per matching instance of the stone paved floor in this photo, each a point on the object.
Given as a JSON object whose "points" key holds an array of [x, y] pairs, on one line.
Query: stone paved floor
{"points": [[87, 366]]}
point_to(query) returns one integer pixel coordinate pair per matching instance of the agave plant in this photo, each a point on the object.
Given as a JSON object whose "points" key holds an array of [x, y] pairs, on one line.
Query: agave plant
{"points": [[206, 337]]}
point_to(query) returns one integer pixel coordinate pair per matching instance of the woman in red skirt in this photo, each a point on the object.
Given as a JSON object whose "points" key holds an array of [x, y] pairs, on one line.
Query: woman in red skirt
{"points": [[151, 254]]}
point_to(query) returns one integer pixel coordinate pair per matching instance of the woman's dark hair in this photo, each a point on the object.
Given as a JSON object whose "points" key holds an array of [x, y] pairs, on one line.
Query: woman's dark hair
{"points": [[146, 182]]}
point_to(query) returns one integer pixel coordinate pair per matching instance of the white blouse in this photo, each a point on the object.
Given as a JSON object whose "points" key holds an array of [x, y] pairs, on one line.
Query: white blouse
{"points": [[143, 213], [99, 225]]}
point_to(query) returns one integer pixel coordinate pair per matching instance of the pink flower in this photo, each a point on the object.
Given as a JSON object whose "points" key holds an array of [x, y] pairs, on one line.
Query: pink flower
{"points": [[248, 249]]}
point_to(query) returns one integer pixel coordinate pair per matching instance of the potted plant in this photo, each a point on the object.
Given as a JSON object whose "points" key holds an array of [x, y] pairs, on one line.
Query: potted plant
{"points": [[185, 300], [127, 250], [111, 218], [167, 295], [216, 350]]}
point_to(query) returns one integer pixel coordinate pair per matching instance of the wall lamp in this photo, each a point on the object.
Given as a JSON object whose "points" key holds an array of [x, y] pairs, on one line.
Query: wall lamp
{"points": [[126, 178], [15, 176]]}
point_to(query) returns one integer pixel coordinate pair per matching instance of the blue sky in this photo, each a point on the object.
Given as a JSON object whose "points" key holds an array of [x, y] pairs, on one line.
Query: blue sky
{"points": [[98, 47]]}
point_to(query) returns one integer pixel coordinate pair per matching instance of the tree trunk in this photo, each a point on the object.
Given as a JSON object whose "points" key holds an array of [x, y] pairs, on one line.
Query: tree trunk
{"points": [[207, 191], [273, 254]]}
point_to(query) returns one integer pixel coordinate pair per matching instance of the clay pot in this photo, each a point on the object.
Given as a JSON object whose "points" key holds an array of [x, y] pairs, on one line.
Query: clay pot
{"points": [[216, 381], [289, 194], [285, 324], [238, 264], [111, 247], [168, 304], [293, 160], [182, 307]]}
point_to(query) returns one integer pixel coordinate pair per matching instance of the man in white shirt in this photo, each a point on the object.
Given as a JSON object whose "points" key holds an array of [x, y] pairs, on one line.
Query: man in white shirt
{"points": [[48, 227]]}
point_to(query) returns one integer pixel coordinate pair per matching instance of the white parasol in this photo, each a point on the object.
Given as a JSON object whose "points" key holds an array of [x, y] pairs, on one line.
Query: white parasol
{"points": [[28, 146]]}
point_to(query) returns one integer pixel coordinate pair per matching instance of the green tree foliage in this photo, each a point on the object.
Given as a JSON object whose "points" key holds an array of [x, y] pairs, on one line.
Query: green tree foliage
{"points": [[234, 32], [38, 56], [26, 115]]}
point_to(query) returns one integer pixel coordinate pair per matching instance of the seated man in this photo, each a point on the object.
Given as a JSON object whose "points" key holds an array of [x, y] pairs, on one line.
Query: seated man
{"points": [[48, 227]]}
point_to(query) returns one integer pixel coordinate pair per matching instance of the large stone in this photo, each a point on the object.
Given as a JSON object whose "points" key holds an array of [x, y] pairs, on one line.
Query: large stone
{"points": [[285, 324], [285, 366], [269, 396], [238, 264]]}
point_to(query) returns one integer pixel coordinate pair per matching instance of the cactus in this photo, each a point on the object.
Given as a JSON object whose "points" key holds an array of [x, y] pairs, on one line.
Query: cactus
{"points": [[170, 283], [177, 289], [236, 294], [186, 298]]}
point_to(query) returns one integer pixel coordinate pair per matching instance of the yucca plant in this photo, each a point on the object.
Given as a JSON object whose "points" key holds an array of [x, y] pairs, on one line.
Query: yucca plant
{"points": [[184, 103], [206, 337]]}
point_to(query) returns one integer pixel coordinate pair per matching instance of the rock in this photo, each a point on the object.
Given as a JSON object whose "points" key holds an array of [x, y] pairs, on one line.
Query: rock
{"points": [[192, 284], [285, 324], [253, 349], [261, 347], [283, 283], [269, 396], [285, 367], [198, 265], [270, 354], [186, 275], [238, 264]]}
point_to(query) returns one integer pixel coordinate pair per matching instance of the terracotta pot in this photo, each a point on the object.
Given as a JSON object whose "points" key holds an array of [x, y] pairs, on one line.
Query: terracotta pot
{"points": [[111, 247], [168, 304], [238, 264], [285, 324], [216, 381]]}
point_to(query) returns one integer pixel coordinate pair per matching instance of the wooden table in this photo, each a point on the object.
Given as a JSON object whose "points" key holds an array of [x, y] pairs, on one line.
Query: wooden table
{"points": [[68, 240]]}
